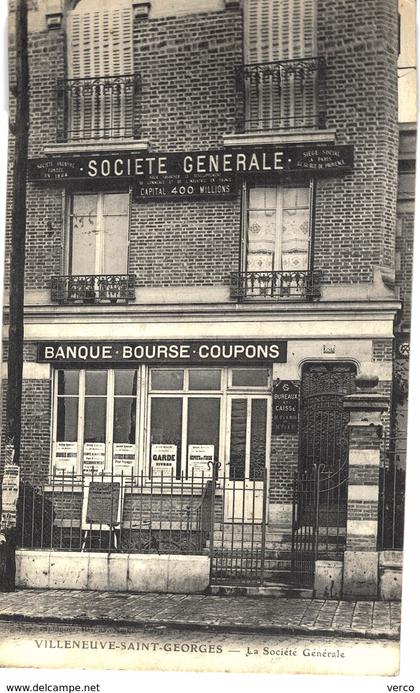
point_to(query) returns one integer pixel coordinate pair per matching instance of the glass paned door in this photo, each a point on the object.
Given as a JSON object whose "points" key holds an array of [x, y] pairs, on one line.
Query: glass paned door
{"points": [[247, 445], [278, 223], [98, 234]]}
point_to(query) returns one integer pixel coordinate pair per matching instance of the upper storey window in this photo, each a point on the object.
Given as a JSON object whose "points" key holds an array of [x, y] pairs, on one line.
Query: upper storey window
{"points": [[99, 96], [280, 80], [96, 251]]}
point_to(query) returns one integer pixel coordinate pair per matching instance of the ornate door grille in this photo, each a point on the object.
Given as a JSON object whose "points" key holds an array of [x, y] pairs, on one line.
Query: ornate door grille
{"points": [[320, 484]]}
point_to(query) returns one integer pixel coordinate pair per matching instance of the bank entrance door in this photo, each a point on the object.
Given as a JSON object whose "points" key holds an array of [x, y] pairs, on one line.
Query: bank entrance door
{"points": [[247, 451]]}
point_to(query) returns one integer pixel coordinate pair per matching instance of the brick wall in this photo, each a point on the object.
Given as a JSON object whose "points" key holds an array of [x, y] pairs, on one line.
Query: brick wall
{"points": [[183, 243], [355, 215], [404, 274], [36, 422], [382, 349], [189, 101], [188, 78], [46, 51], [283, 465]]}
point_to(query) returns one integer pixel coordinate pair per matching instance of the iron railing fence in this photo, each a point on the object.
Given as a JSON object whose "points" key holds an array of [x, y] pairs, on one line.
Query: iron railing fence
{"points": [[222, 517], [392, 493], [93, 288], [237, 545], [156, 513], [94, 108], [276, 285], [319, 519], [281, 95]]}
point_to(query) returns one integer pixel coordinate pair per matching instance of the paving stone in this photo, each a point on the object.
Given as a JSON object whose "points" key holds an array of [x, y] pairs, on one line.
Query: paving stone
{"points": [[253, 613]]}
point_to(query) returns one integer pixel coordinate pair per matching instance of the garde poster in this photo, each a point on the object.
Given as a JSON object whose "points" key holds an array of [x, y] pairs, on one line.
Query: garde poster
{"points": [[209, 233]]}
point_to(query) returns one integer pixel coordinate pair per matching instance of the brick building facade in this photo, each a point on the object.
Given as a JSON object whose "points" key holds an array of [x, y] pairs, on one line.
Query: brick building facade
{"points": [[276, 127]]}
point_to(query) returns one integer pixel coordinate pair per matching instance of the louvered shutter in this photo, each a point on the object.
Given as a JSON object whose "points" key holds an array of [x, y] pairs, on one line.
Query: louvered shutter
{"points": [[100, 45], [279, 30]]}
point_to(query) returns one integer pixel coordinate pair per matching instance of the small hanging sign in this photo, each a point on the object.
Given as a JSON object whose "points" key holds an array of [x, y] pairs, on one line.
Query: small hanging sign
{"points": [[285, 407]]}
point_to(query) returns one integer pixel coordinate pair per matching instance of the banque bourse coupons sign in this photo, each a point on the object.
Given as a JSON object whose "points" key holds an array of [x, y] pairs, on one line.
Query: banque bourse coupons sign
{"points": [[160, 176], [164, 352]]}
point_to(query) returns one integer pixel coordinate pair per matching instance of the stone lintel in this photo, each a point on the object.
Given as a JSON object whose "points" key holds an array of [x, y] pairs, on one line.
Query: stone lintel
{"points": [[365, 408]]}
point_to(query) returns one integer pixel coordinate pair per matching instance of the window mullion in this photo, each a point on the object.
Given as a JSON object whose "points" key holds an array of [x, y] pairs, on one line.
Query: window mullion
{"points": [[143, 408], [278, 265], [99, 238], [184, 435], [109, 422], [223, 422], [81, 418], [248, 439]]}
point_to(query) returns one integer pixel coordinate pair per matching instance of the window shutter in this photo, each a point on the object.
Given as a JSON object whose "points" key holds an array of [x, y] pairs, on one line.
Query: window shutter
{"points": [[100, 45], [275, 31], [100, 39], [279, 30]]}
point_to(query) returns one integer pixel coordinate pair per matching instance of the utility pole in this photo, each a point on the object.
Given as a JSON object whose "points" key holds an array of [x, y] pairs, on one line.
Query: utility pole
{"points": [[20, 130]]}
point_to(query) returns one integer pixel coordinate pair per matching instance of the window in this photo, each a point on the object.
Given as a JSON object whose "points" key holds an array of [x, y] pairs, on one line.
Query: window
{"points": [[282, 75], [184, 427], [98, 234], [169, 423], [96, 421], [100, 90], [278, 228]]}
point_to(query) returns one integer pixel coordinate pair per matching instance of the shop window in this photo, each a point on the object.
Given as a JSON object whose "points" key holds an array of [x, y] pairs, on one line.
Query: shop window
{"points": [[67, 405], [278, 228], [98, 234], [168, 423], [95, 421], [249, 377]]}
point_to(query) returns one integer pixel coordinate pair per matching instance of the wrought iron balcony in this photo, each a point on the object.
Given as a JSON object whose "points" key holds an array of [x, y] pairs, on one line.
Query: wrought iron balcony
{"points": [[281, 95], [96, 108], [275, 286], [92, 289]]}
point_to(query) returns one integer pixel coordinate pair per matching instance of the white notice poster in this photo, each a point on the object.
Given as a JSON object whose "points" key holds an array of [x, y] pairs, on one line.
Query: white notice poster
{"points": [[10, 488], [163, 459], [65, 457], [124, 455], [93, 457], [200, 458]]}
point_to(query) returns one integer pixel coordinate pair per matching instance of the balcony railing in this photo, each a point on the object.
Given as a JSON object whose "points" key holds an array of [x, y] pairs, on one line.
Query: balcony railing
{"points": [[281, 95], [91, 289], [96, 108], [275, 286]]}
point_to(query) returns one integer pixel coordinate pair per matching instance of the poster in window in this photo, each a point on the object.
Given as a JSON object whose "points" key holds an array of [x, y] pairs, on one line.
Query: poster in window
{"points": [[65, 457], [200, 459], [93, 457], [124, 455], [163, 459]]}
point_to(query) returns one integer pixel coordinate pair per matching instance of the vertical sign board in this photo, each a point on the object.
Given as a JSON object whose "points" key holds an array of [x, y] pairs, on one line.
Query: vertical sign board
{"points": [[9, 495], [285, 407]]}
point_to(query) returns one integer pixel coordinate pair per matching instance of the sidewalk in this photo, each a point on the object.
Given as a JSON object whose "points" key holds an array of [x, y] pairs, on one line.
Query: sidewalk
{"points": [[273, 615]]}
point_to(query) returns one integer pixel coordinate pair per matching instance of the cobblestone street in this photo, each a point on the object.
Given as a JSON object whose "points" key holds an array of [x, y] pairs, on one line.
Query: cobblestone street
{"points": [[369, 619]]}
